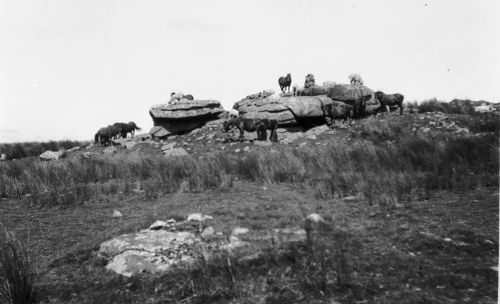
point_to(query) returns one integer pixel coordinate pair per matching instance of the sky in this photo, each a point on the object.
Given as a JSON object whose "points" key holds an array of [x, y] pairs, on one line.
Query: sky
{"points": [[68, 68]]}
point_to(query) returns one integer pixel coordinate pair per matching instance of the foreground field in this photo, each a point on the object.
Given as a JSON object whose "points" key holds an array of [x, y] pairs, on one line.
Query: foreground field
{"points": [[410, 206], [442, 250]]}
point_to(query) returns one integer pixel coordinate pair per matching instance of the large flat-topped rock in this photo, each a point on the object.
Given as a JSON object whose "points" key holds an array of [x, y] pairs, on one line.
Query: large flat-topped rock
{"points": [[286, 110], [306, 106], [185, 115], [186, 109]]}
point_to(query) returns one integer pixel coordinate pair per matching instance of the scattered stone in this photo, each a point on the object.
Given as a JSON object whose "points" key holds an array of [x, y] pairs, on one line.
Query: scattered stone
{"points": [[317, 130], [303, 144], [210, 136], [51, 155], [175, 152], [262, 143], [159, 132], [234, 243], [462, 130], [237, 150], [198, 217], [239, 230], [311, 136], [425, 130], [246, 149], [350, 198], [288, 235], [117, 213], [109, 150], [314, 217], [87, 154], [252, 259], [130, 144], [73, 149], [168, 146], [3, 156], [158, 225], [207, 232]]}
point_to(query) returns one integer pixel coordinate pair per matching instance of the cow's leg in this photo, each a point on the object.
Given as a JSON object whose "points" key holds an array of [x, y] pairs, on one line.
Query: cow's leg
{"points": [[401, 109], [264, 135], [388, 110]]}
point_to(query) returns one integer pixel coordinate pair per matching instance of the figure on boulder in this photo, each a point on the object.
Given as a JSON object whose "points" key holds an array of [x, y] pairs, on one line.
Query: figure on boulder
{"points": [[253, 124], [389, 100], [285, 82], [309, 82], [355, 79], [175, 96], [297, 90]]}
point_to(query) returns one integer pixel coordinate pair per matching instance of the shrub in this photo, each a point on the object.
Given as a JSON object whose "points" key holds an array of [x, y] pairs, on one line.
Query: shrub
{"points": [[17, 278], [431, 105], [28, 149]]}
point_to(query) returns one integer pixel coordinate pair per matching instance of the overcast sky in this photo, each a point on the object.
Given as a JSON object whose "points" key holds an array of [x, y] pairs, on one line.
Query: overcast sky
{"points": [[68, 68]]}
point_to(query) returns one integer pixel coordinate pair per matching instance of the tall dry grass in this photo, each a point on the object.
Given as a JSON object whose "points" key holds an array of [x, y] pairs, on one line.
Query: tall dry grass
{"points": [[17, 277], [28, 149], [387, 164]]}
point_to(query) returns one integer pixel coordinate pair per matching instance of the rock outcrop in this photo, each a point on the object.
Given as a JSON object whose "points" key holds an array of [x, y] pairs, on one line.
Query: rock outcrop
{"points": [[288, 111], [185, 115], [348, 92]]}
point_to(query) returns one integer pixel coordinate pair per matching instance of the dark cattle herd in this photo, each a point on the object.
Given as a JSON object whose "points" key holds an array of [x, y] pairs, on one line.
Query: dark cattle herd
{"points": [[106, 134], [253, 124]]}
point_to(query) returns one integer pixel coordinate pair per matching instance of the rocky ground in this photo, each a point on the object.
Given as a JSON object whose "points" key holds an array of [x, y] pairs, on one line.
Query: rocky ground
{"points": [[211, 137]]}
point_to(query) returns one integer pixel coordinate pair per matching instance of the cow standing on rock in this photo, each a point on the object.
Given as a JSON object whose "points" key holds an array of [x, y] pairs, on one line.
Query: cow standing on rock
{"points": [[179, 96], [285, 82]]}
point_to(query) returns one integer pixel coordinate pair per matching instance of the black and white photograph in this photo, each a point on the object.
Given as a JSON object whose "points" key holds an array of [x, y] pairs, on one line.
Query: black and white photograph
{"points": [[249, 151]]}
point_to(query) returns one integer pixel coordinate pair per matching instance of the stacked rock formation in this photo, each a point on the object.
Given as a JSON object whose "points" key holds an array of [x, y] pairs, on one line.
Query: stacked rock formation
{"points": [[287, 110], [292, 110], [309, 82], [183, 116]]}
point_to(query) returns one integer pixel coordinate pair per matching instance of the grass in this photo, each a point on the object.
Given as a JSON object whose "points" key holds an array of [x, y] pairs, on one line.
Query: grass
{"points": [[377, 251], [408, 166], [28, 149], [17, 277]]}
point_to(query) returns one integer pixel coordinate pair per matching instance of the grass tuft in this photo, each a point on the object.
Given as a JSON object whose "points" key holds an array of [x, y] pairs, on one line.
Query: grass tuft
{"points": [[17, 278]]}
